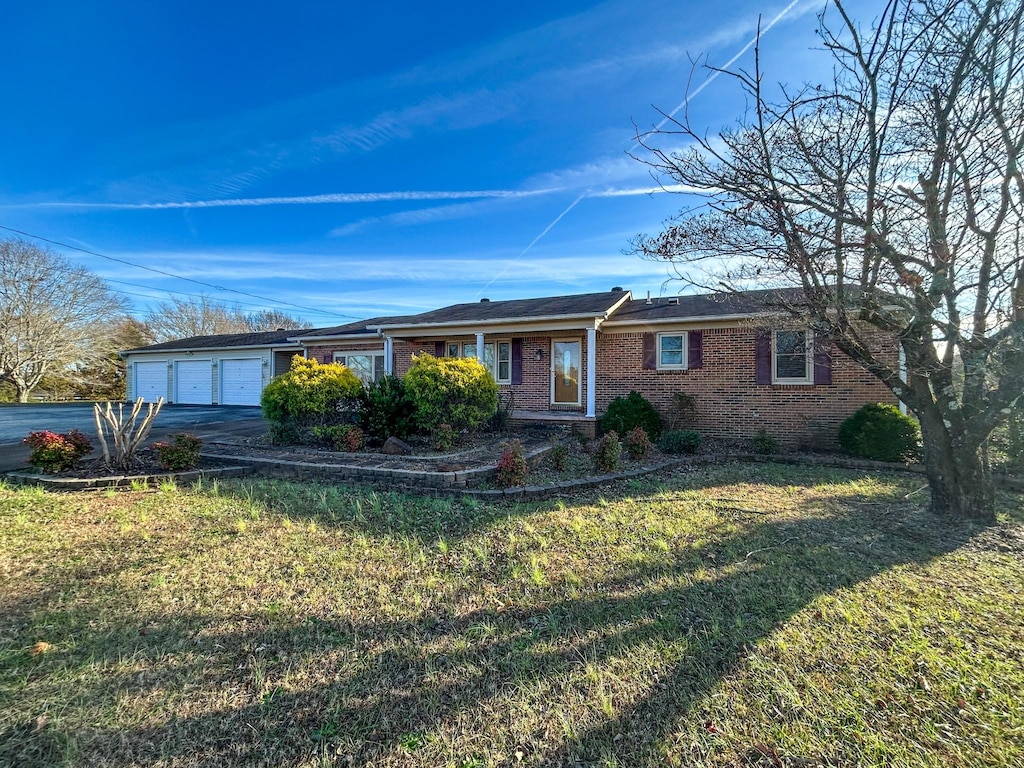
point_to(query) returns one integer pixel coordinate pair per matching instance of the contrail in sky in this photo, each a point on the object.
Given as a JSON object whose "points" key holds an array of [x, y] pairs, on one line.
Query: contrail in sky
{"points": [[714, 75]]}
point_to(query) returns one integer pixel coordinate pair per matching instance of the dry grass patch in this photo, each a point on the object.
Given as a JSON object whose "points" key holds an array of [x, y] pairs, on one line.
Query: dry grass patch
{"points": [[739, 615]]}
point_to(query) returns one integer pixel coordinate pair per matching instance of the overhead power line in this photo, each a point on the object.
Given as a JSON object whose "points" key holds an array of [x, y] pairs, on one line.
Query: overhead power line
{"points": [[70, 247]]}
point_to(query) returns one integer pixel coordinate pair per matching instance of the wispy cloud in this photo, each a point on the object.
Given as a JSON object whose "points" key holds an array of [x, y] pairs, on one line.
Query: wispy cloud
{"points": [[326, 199]]}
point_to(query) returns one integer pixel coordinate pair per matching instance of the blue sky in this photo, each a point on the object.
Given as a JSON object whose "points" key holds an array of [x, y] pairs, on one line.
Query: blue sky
{"points": [[387, 158]]}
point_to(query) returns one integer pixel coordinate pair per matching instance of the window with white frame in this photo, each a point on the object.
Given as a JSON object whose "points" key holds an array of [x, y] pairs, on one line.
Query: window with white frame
{"points": [[367, 366], [792, 356], [672, 352], [497, 357]]}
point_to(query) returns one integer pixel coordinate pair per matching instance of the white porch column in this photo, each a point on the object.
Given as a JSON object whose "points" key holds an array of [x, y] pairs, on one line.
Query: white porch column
{"points": [[389, 356], [480, 347], [591, 371]]}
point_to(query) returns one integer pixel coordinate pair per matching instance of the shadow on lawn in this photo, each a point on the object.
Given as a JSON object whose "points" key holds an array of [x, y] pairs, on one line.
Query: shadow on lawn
{"points": [[382, 688]]}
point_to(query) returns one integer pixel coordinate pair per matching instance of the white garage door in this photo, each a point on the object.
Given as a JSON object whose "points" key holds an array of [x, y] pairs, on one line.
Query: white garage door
{"points": [[193, 382], [150, 381], [241, 381]]}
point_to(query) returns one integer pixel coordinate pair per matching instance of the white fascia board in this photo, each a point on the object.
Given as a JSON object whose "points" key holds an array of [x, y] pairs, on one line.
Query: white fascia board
{"points": [[612, 323], [304, 340], [211, 350], [500, 325]]}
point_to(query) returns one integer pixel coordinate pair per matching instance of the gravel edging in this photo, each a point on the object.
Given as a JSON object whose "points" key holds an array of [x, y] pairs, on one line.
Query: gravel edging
{"points": [[56, 483]]}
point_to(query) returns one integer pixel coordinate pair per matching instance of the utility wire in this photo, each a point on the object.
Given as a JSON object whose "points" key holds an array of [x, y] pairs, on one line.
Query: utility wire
{"points": [[171, 274]]}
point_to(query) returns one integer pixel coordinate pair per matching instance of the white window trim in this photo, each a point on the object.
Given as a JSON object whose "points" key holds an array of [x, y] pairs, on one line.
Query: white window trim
{"points": [[685, 349], [808, 377], [489, 343], [373, 354]]}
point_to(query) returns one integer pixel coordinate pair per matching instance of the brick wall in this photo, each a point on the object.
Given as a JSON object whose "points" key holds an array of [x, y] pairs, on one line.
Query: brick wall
{"points": [[729, 403]]}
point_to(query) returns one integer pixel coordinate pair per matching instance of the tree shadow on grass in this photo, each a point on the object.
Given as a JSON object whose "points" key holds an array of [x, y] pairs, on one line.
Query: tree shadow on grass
{"points": [[375, 691]]}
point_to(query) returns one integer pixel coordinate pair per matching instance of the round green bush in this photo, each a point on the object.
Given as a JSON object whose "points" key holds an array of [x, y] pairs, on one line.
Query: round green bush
{"points": [[624, 414], [880, 432], [309, 395], [455, 391], [680, 441], [386, 410]]}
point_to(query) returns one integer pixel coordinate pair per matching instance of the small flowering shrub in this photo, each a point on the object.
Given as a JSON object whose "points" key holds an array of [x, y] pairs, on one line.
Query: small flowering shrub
{"points": [[444, 437], [347, 438], [512, 467], [181, 453], [56, 451], [637, 443], [608, 452]]}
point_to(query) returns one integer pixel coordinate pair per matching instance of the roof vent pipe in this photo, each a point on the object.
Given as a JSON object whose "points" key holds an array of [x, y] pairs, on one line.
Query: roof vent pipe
{"points": [[617, 288], [484, 301], [673, 300], [649, 297]]}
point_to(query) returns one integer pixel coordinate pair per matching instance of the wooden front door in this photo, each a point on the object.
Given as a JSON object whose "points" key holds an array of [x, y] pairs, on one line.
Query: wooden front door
{"points": [[565, 372]]}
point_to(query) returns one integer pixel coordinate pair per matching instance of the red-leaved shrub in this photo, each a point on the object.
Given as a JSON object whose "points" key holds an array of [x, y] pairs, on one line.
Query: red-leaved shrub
{"points": [[512, 467], [55, 451]]}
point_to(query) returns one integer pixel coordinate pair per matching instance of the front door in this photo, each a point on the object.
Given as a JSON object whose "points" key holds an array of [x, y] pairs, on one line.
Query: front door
{"points": [[565, 372]]}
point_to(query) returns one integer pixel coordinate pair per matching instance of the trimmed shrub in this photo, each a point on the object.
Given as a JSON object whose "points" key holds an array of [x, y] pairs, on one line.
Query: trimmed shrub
{"points": [[763, 443], [386, 410], [57, 451], [880, 432], [444, 437], [637, 443], [558, 456], [512, 468], [181, 453], [309, 395], [608, 453], [347, 438], [455, 391], [680, 441], [626, 413]]}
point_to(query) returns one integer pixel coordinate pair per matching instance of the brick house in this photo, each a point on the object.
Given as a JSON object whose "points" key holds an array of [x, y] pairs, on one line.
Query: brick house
{"points": [[563, 359]]}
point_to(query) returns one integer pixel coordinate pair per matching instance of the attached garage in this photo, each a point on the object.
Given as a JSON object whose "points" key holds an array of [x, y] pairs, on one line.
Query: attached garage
{"points": [[241, 381], [193, 382], [150, 380]]}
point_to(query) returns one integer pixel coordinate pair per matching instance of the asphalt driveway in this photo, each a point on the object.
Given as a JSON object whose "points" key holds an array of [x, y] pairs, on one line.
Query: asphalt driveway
{"points": [[205, 421]]}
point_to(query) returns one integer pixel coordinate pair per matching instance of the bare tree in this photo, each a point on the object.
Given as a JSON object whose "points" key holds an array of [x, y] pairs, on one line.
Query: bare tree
{"points": [[892, 196], [54, 316], [272, 320], [184, 318]]}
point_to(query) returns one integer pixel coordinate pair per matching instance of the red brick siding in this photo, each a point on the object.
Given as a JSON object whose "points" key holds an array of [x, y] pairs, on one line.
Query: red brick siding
{"points": [[729, 404]]}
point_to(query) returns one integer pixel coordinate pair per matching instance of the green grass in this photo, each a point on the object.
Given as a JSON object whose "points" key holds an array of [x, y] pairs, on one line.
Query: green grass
{"points": [[738, 615]]}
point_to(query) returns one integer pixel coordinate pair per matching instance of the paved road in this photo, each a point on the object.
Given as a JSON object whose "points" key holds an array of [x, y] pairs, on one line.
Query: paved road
{"points": [[208, 422]]}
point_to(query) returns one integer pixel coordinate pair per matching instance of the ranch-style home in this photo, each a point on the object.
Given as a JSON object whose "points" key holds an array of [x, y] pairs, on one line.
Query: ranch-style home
{"points": [[562, 360]]}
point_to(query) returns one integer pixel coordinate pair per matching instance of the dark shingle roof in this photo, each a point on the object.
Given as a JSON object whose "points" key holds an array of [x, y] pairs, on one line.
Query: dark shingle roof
{"points": [[216, 341], [358, 327], [709, 305], [517, 309]]}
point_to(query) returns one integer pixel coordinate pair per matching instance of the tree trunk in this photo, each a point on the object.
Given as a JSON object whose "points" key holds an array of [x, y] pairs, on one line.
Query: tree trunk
{"points": [[21, 392], [959, 477]]}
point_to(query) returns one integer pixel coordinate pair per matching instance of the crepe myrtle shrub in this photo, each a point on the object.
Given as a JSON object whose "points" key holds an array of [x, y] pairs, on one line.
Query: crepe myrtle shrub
{"points": [[56, 451], [311, 394], [637, 443], [386, 410], [880, 432], [608, 452], [459, 392], [512, 468], [181, 453], [633, 410]]}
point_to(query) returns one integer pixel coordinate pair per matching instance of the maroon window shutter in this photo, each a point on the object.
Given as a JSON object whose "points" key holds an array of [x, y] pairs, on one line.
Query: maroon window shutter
{"points": [[822, 363], [650, 361], [695, 350], [328, 358], [438, 349], [517, 361], [763, 356]]}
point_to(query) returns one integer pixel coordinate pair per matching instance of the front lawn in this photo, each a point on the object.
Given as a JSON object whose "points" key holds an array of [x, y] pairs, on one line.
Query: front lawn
{"points": [[736, 615]]}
